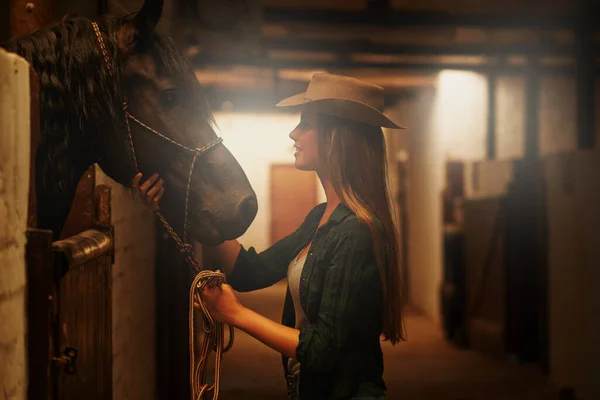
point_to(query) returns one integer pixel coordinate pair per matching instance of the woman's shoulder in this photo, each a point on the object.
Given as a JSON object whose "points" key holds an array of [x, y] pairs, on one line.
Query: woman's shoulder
{"points": [[354, 230], [355, 226]]}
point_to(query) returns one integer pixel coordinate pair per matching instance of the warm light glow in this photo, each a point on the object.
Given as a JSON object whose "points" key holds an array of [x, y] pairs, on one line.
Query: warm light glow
{"points": [[257, 141], [460, 112]]}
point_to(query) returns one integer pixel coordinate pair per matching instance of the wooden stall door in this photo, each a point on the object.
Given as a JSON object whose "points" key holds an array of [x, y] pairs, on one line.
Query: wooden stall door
{"points": [[82, 320], [293, 195]]}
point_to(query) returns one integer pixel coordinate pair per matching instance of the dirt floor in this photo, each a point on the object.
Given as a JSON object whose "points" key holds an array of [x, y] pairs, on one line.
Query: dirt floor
{"points": [[424, 367]]}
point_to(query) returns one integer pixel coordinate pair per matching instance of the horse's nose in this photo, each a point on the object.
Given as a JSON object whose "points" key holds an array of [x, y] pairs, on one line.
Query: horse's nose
{"points": [[247, 210]]}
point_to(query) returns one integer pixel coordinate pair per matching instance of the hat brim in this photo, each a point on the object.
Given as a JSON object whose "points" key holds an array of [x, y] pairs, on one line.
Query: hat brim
{"points": [[343, 108]]}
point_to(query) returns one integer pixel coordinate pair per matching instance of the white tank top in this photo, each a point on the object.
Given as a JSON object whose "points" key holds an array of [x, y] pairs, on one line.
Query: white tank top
{"points": [[293, 276]]}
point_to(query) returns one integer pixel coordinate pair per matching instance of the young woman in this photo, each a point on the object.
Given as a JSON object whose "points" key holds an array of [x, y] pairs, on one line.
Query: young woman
{"points": [[342, 264]]}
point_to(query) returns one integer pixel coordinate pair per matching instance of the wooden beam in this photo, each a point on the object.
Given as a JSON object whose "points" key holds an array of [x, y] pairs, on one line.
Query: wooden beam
{"points": [[424, 19], [204, 60], [371, 47]]}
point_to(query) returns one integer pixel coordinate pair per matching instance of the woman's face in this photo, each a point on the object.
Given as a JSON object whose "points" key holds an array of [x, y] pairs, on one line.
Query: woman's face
{"points": [[306, 143]]}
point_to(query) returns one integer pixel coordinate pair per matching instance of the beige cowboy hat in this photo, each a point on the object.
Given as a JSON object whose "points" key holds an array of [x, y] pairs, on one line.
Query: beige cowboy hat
{"points": [[345, 97]]}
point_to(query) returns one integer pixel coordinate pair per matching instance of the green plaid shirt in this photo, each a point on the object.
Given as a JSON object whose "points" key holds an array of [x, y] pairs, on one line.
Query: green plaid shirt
{"points": [[341, 294]]}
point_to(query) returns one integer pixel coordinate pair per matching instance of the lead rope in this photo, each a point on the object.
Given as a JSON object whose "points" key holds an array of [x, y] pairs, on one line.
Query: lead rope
{"points": [[213, 338], [214, 332]]}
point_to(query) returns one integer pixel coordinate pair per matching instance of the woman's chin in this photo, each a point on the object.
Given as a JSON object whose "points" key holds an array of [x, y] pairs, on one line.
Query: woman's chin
{"points": [[303, 166]]}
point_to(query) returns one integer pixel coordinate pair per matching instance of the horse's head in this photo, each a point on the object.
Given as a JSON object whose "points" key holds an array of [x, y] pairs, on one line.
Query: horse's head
{"points": [[162, 92]]}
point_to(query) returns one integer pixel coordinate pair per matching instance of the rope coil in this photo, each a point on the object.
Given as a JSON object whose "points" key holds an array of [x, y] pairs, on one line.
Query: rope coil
{"points": [[214, 338]]}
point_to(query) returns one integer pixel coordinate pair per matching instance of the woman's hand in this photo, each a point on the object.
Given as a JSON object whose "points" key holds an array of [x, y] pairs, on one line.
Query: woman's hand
{"points": [[221, 303], [150, 191]]}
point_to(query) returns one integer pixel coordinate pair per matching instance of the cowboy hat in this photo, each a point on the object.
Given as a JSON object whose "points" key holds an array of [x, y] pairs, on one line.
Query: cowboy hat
{"points": [[345, 97]]}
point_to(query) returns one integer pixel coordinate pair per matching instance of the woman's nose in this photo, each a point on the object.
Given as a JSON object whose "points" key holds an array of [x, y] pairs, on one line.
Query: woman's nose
{"points": [[293, 135]]}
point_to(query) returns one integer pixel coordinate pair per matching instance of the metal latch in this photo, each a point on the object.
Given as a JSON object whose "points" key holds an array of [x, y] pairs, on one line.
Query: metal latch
{"points": [[68, 360]]}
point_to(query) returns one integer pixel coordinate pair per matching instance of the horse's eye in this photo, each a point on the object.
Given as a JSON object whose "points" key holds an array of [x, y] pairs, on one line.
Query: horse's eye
{"points": [[169, 98]]}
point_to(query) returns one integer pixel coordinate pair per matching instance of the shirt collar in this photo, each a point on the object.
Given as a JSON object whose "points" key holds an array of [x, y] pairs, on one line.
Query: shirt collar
{"points": [[340, 213]]}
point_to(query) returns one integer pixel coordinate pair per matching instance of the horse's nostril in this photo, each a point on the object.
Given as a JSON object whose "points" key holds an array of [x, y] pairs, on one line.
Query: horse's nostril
{"points": [[248, 209]]}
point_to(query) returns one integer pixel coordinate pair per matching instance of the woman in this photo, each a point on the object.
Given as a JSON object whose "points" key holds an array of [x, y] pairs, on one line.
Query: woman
{"points": [[342, 262]]}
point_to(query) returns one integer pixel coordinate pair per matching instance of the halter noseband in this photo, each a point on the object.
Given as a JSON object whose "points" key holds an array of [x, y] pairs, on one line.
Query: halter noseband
{"points": [[184, 246]]}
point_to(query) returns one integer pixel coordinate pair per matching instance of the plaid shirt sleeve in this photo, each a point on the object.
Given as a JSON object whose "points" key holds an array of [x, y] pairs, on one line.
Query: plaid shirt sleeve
{"points": [[253, 271], [322, 342]]}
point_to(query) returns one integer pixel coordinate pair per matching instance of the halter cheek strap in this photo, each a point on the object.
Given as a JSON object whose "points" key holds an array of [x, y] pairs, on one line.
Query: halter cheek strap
{"points": [[214, 331], [184, 245]]}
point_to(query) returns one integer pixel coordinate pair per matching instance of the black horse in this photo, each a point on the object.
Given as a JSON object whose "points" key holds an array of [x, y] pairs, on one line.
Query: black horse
{"points": [[82, 90]]}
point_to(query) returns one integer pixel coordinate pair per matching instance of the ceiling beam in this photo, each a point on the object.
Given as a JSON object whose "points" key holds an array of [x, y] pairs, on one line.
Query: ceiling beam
{"points": [[370, 47], [422, 19], [201, 60]]}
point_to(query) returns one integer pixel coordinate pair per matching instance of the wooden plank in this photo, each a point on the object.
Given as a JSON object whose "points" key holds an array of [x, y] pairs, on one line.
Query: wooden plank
{"points": [[85, 324], [85, 304], [27, 16], [485, 275], [83, 210], [39, 312], [34, 93]]}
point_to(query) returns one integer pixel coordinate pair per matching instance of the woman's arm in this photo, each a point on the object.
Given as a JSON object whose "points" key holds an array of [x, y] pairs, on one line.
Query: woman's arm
{"points": [[278, 337], [223, 305], [224, 255]]}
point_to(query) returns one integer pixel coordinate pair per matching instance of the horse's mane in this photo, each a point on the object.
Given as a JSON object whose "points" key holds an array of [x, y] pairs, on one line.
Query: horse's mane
{"points": [[80, 103]]}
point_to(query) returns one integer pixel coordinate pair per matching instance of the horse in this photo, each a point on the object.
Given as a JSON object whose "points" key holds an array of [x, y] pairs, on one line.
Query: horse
{"points": [[116, 92]]}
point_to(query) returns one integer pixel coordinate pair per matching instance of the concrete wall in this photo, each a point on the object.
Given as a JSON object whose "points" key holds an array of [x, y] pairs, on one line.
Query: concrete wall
{"points": [[466, 6], [14, 192], [573, 196], [134, 296]]}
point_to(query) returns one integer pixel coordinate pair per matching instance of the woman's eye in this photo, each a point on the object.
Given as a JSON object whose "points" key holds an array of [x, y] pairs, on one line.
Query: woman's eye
{"points": [[169, 98]]}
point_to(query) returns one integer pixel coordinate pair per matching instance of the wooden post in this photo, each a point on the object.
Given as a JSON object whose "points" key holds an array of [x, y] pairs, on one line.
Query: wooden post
{"points": [[586, 76], [532, 110], [38, 255], [27, 16], [491, 118]]}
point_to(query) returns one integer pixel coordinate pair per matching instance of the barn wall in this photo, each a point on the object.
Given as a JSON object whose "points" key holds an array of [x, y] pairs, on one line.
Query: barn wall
{"points": [[452, 125], [14, 192], [134, 296], [573, 195]]}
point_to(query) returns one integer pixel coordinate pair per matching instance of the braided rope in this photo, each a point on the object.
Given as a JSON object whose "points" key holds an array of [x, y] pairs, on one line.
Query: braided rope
{"points": [[102, 47], [187, 197], [214, 335]]}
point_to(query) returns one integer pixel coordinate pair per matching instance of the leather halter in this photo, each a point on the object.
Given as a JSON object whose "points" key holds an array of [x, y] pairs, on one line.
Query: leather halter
{"points": [[184, 246]]}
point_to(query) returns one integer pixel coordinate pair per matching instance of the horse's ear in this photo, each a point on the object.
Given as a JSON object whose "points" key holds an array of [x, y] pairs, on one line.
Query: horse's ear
{"points": [[134, 28], [147, 18]]}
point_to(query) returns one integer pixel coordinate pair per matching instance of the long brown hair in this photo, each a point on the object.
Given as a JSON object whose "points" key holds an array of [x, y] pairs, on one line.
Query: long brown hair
{"points": [[353, 155]]}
